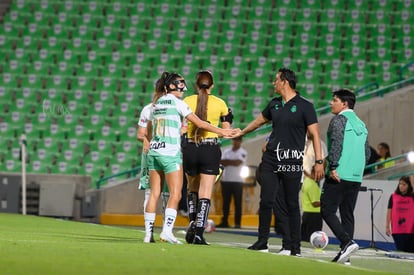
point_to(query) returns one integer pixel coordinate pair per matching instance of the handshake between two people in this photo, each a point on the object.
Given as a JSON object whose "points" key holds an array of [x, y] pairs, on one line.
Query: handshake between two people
{"points": [[230, 133]]}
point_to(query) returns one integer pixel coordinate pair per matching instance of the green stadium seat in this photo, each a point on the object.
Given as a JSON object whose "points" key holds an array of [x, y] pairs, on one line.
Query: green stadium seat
{"points": [[306, 14], [39, 68], [15, 67], [129, 147], [40, 167], [11, 31], [88, 69], [56, 82], [46, 155], [328, 15], [352, 16], [310, 4], [12, 165], [85, 54]]}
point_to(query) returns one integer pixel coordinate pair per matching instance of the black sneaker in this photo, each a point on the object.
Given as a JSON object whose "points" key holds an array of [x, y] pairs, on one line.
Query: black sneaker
{"points": [[295, 253], [260, 245], [200, 240], [336, 257], [190, 234], [347, 250]]}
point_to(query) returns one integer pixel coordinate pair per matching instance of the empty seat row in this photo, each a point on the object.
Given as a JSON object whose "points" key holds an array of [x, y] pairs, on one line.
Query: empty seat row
{"points": [[84, 69]]}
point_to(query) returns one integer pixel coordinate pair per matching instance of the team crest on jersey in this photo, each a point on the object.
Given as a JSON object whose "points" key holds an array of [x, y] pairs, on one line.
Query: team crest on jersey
{"points": [[293, 109]]}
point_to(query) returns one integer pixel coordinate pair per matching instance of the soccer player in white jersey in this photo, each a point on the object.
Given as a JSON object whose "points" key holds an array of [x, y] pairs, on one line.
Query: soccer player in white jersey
{"points": [[164, 155]]}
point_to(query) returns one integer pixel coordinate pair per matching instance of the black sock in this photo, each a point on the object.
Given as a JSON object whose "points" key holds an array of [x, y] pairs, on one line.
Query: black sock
{"points": [[192, 199], [202, 214]]}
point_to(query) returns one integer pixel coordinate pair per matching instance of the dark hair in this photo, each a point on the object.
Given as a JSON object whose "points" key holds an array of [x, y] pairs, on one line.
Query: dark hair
{"points": [[346, 95], [405, 179], [170, 78], [204, 81], [289, 75], [387, 147], [162, 85]]}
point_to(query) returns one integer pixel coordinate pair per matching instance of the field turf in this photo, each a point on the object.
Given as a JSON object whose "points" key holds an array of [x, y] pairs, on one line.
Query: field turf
{"points": [[40, 245]]}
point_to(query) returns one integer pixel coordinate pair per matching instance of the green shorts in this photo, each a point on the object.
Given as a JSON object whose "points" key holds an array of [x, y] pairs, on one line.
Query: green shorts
{"points": [[144, 178], [167, 164]]}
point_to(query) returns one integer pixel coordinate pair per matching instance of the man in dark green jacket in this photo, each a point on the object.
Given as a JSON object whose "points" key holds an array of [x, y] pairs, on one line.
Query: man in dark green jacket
{"points": [[348, 152]]}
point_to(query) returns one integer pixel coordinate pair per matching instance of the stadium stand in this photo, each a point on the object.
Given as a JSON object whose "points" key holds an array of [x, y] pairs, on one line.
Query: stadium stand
{"points": [[76, 73]]}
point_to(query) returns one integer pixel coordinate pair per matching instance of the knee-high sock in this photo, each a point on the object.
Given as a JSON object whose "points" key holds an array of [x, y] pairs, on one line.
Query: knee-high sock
{"points": [[149, 219], [202, 214], [169, 220], [192, 200]]}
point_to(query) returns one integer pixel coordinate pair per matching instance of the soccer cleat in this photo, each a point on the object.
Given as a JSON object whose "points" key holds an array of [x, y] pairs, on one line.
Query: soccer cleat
{"points": [[200, 240], [348, 261], [285, 252], [260, 245], [149, 239], [347, 250], [164, 237], [190, 234]]}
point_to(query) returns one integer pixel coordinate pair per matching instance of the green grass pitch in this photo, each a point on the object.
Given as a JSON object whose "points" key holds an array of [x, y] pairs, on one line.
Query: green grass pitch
{"points": [[40, 245]]}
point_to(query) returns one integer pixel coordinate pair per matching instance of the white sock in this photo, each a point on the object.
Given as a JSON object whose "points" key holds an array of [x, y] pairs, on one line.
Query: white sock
{"points": [[169, 220], [149, 219]]}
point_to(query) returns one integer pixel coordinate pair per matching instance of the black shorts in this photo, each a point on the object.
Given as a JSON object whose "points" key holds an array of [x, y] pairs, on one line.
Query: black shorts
{"points": [[201, 159]]}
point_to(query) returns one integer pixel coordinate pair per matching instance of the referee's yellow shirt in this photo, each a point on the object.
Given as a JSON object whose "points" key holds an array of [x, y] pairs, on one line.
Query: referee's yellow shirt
{"points": [[216, 107]]}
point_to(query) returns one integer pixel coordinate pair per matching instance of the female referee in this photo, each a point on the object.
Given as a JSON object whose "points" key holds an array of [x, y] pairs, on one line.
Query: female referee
{"points": [[202, 154]]}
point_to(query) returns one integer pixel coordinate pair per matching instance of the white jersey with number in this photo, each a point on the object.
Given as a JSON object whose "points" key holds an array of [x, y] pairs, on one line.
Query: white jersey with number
{"points": [[145, 116], [166, 118]]}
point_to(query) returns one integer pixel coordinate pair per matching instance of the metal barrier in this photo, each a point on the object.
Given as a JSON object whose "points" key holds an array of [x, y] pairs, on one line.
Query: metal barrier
{"points": [[405, 67], [399, 175], [133, 171], [372, 167]]}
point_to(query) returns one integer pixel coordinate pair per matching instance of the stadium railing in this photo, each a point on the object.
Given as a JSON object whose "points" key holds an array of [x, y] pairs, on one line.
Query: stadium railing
{"points": [[405, 68], [399, 175], [373, 167], [132, 174]]}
